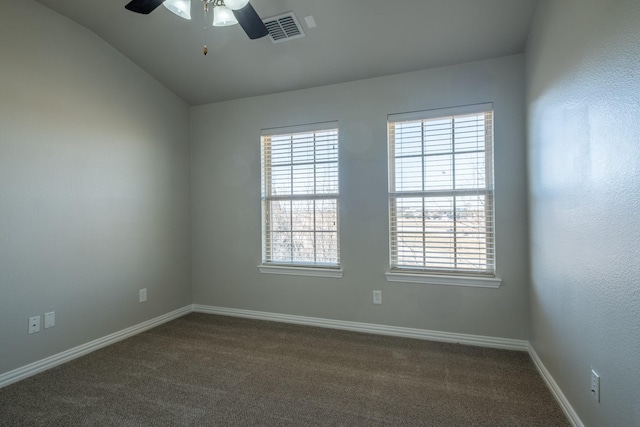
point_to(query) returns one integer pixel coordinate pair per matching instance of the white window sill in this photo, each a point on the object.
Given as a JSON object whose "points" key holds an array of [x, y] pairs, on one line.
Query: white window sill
{"points": [[302, 271], [436, 279]]}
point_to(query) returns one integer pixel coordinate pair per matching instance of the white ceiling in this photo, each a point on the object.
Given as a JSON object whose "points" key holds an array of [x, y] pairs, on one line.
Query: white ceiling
{"points": [[354, 39]]}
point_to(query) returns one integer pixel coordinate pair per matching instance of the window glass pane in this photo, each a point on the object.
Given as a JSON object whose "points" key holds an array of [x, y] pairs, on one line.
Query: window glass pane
{"points": [[438, 213], [302, 148], [409, 230], [281, 180], [439, 241], [474, 214], [326, 215], [438, 172], [303, 179], [280, 153], [408, 136], [280, 211], [303, 247], [327, 247], [408, 174], [326, 151], [280, 246], [410, 251], [470, 170], [410, 222], [470, 133], [409, 207], [437, 136], [302, 215], [327, 178]]}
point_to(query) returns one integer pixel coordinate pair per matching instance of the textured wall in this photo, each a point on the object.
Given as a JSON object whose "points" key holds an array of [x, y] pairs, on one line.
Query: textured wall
{"points": [[583, 64], [226, 202], [94, 187]]}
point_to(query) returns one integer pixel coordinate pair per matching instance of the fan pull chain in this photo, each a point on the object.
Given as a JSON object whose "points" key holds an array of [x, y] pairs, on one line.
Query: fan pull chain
{"points": [[205, 50]]}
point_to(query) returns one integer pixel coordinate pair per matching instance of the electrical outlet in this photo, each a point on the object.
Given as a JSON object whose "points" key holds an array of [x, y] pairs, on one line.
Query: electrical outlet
{"points": [[595, 385], [49, 319], [34, 324], [143, 295], [377, 297]]}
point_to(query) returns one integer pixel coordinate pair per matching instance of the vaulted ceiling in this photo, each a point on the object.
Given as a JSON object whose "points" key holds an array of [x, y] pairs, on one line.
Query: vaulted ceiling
{"points": [[353, 39]]}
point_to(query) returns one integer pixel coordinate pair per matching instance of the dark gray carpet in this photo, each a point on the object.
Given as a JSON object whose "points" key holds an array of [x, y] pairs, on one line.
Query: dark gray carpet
{"points": [[205, 370]]}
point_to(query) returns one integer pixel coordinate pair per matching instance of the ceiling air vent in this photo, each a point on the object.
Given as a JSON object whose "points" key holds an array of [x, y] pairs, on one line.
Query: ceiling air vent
{"points": [[283, 27]]}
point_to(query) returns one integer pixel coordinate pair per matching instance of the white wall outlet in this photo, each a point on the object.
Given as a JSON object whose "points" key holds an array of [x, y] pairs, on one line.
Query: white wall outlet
{"points": [[49, 319], [143, 295], [34, 324], [595, 385], [377, 297]]}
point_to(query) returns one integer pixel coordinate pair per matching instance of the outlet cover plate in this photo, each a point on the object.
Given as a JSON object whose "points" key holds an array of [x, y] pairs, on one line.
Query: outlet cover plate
{"points": [[143, 295], [34, 324], [377, 297], [49, 319], [595, 385]]}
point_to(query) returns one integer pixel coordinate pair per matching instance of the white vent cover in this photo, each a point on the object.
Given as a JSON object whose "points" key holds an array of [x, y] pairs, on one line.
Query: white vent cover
{"points": [[283, 27]]}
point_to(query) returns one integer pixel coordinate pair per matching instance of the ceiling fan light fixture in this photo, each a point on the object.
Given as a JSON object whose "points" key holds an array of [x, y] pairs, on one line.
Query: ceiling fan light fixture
{"points": [[182, 8], [235, 4], [223, 16]]}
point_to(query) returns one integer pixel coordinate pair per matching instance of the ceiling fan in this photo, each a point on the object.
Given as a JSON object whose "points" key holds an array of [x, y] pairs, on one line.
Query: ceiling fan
{"points": [[225, 12]]}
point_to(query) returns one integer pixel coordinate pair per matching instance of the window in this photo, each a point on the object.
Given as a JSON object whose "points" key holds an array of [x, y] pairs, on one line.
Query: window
{"points": [[300, 196], [441, 191]]}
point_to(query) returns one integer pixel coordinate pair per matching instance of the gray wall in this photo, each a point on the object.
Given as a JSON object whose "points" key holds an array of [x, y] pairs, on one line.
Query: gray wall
{"points": [[583, 88], [226, 219], [94, 187]]}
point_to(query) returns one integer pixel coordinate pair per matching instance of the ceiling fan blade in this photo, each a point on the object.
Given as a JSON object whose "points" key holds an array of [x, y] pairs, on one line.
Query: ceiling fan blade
{"points": [[143, 6], [250, 22]]}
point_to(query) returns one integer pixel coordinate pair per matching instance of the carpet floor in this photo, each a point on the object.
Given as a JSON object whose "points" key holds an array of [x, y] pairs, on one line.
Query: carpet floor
{"points": [[208, 370]]}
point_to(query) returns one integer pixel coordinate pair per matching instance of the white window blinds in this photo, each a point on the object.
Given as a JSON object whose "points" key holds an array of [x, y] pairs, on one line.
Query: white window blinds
{"points": [[441, 191], [300, 196]]}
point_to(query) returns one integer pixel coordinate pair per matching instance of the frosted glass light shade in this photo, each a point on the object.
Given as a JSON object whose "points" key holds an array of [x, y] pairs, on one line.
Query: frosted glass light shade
{"points": [[223, 16], [182, 8], [236, 4]]}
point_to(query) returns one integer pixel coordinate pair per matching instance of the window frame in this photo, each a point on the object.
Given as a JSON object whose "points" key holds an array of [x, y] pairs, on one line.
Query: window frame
{"points": [[291, 267], [424, 273]]}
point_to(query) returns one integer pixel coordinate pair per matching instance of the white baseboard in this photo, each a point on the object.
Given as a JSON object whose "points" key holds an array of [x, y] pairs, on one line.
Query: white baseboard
{"points": [[477, 340], [60, 358], [568, 410]]}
